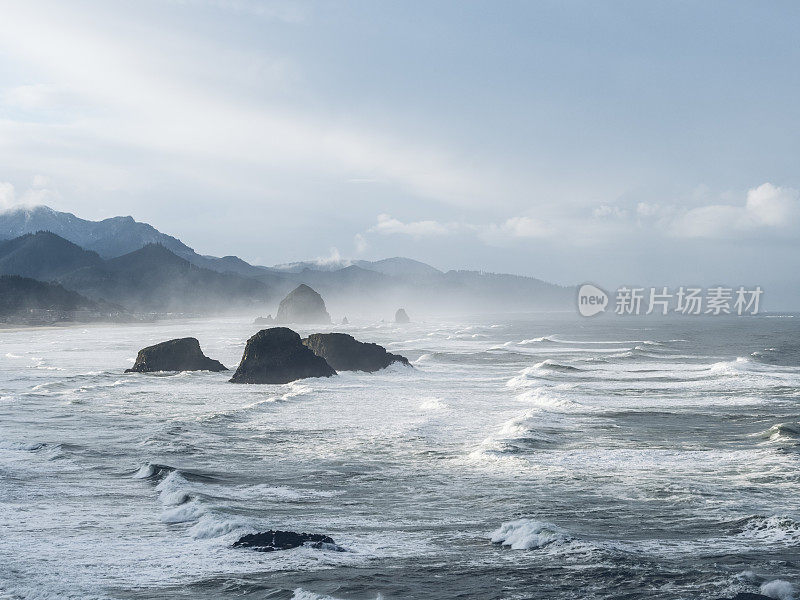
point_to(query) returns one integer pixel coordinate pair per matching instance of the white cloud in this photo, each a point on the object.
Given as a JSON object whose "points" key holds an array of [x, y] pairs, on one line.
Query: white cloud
{"points": [[767, 208], [361, 243], [513, 228], [41, 97], [7, 195], [34, 196], [199, 108], [389, 225], [334, 258], [607, 211], [773, 206]]}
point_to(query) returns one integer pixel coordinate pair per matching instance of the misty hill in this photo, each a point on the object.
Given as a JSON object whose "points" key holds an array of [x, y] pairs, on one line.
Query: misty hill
{"points": [[20, 294], [182, 279], [149, 279], [397, 266], [110, 237], [43, 255], [115, 237], [153, 278]]}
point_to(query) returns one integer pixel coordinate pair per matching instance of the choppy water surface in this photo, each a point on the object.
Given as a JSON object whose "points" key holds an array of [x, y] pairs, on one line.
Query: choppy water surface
{"points": [[541, 457]]}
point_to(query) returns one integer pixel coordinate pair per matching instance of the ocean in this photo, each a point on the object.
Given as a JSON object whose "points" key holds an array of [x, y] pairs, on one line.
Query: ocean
{"points": [[534, 456]]}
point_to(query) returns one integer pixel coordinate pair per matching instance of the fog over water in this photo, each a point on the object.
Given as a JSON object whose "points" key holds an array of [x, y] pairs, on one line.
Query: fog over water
{"points": [[537, 455]]}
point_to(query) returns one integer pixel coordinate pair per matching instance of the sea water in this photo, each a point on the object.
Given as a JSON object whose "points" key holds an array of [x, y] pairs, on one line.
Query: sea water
{"points": [[537, 456]]}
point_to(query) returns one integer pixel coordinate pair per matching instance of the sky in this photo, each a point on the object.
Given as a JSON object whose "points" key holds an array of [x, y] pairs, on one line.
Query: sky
{"points": [[652, 143]]}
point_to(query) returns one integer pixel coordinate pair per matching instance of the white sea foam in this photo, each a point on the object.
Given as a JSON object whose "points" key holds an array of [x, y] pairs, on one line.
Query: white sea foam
{"points": [[281, 492], [776, 530], [526, 534], [778, 589], [210, 525], [431, 403]]}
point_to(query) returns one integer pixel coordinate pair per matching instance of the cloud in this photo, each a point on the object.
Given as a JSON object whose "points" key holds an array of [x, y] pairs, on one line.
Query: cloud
{"points": [[389, 225], [154, 102], [43, 97], [334, 258], [607, 211], [35, 195], [7, 195], [361, 243], [767, 208], [513, 228], [285, 11]]}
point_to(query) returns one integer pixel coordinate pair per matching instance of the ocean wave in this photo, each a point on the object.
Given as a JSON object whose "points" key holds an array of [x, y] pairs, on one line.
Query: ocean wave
{"points": [[527, 534], [778, 530], [431, 403], [782, 432], [538, 340], [294, 390], [778, 589], [281, 492], [542, 370], [547, 399], [153, 471], [301, 594]]}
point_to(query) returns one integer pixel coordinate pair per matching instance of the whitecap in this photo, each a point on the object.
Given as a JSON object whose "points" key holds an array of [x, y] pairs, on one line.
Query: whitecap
{"points": [[526, 534], [432, 403], [779, 589]]}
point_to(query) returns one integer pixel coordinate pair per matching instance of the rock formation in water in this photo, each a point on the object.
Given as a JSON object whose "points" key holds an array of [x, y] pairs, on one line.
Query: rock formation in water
{"points": [[271, 541], [401, 317], [277, 355], [302, 305], [174, 355], [345, 321], [268, 320], [345, 353]]}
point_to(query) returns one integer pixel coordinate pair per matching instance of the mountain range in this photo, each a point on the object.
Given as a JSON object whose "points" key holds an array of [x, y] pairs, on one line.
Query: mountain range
{"points": [[129, 263]]}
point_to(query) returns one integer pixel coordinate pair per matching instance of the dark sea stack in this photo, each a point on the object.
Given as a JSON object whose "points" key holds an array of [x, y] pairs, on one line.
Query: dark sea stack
{"points": [[268, 320], [272, 541], [345, 353], [302, 305], [277, 355], [175, 355], [401, 316]]}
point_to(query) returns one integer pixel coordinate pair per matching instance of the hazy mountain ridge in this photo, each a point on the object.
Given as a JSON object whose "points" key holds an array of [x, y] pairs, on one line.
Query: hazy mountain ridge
{"points": [[109, 238], [20, 294], [151, 278], [169, 275]]}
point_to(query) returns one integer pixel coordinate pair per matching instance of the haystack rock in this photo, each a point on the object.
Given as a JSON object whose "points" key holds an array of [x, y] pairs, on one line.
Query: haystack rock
{"points": [[175, 355], [345, 353], [401, 317], [302, 305], [277, 355]]}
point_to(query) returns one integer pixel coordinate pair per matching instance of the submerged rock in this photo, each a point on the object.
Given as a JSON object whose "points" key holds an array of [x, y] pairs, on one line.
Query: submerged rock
{"points": [[345, 353], [268, 320], [302, 305], [401, 316], [271, 541], [277, 355], [174, 355]]}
